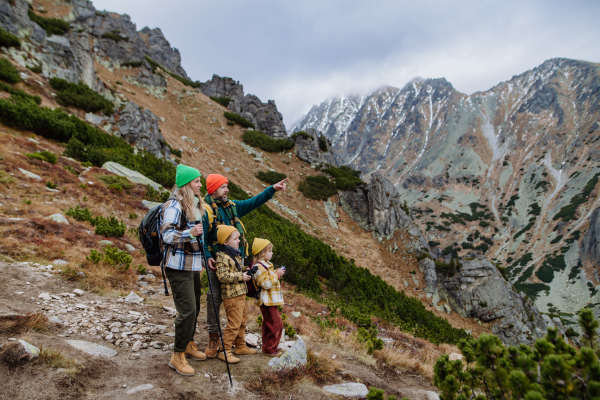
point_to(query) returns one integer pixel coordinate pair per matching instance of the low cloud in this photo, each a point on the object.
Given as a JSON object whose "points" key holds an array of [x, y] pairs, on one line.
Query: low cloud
{"points": [[300, 53]]}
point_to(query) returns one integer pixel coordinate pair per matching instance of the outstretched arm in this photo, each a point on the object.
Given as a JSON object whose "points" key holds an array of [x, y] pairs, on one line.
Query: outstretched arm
{"points": [[245, 206]]}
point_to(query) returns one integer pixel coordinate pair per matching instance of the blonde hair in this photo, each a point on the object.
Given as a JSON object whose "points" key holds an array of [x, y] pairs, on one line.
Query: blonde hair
{"points": [[186, 195], [262, 253]]}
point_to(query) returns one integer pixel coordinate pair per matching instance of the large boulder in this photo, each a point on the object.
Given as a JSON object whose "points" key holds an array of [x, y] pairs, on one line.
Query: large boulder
{"points": [[589, 248], [476, 289], [308, 149], [264, 116], [294, 357], [377, 207], [140, 128], [132, 176]]}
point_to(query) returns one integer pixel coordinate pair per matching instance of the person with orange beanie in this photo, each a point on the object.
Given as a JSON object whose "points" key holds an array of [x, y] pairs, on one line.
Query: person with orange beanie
{"points": [[225, 212]]}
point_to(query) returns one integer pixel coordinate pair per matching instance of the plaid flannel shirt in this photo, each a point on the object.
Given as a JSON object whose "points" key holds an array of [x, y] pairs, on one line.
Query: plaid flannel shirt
{"points": [[267, 280], [232, 283], [187, 255]]}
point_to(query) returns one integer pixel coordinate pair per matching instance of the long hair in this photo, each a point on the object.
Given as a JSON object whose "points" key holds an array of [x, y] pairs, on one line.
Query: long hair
{"points": [[260, 256], [186, 195]]}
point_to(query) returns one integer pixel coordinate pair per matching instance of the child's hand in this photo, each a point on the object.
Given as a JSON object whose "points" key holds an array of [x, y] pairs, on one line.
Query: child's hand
{"points": [[246, 277], [280, 272]]}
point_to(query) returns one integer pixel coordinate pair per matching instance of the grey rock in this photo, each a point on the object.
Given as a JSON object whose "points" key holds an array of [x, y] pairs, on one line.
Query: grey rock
{"points": [[350, 389], [105, 243], [78, 292], [294, 357], [131, 175], [133, 298], [147, 77], [150, 204], [309, 150], [94, 119], [59, 218], [140, 388], [31, 352], [136, 346], [589, 248], [264, 116], [30, 174], [129, 247], [54, 320], [140, 128], [92, 348], [378, 207], [60, 262]]}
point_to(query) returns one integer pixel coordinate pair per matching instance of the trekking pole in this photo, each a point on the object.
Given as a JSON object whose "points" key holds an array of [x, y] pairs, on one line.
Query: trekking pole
{"points": [[214, 305]]}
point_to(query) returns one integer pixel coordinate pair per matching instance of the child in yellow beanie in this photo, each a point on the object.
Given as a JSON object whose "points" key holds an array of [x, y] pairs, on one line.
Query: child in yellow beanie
{"points": [[233, 291], [266, 279]]}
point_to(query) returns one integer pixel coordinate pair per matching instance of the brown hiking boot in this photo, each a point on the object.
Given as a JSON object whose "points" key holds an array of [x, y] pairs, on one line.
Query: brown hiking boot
{"points": [[243, 351], [231, 359], [213, 345], [180, 364], [193, 352]]}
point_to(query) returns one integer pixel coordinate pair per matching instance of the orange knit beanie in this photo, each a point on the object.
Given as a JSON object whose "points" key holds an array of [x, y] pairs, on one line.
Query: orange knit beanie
{"points": [[214, 181]]}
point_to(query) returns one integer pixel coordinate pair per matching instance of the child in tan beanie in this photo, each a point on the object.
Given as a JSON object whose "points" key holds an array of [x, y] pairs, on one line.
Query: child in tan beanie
{"points": [[233, 291]]}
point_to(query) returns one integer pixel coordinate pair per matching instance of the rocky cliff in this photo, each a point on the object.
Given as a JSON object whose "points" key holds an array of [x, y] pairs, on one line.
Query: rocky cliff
{"points": [[309, 149], [509, 173], [264, 116]]}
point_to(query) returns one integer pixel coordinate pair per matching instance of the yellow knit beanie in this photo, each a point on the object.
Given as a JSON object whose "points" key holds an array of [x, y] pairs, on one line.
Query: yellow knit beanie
{"points": [[258, 245], [223, 232]]}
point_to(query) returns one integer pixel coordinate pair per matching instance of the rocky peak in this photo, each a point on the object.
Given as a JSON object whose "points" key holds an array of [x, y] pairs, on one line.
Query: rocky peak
{"points": [[264, 116], [308, 148]]}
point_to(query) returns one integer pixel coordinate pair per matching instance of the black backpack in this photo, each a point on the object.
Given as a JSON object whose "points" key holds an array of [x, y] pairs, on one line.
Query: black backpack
{"points": [[151, 239]]}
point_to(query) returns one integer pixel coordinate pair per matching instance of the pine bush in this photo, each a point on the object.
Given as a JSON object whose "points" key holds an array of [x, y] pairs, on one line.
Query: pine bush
{"points": [[8, 72], [114, 36], [317, 187], [7, 39], [266, 143], [80, 95], [116, 182], [224, 101], [43, 156], [19, 93], [551, 369], [109, 227], [132, 64], [53, 26], [80, 214], [154, 65], [270, 177], [238, 120]]}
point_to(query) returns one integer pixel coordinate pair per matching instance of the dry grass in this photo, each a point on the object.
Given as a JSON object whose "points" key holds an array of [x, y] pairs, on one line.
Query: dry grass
{"points": [[17, 324], [12, 354], [320, 369], [55, 359]]}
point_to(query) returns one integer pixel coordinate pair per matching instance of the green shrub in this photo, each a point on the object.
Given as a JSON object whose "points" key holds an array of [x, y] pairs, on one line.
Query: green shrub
{"points": [[72, 170], [345, 178], [301, 134], [568, 212], [8, 39], [224, 101], [156, 65], [550, 369], [379, 394], [270, 177], [239, 120], [133, 215], [85, 142], [111, 256], [531, 289], [369, 338], [37, 70], [323, 143], [80, 214], [354, 290], [8, 72], [109, 227], [43, 156], [266, 143], [115, 36], [116, 182], [132, 64], [20, 93], [160, 196], [317, 187], [50, 185], [53, 26], [6, 178], [176, 152], [80, 95]]}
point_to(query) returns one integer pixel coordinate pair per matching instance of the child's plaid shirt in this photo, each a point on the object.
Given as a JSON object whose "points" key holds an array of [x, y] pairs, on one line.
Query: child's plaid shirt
{"points": [[232, 283], [267, 280]]}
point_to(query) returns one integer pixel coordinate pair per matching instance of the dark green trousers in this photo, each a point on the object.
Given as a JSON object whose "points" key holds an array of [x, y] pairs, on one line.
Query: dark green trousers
{"points": [[186, 287]]}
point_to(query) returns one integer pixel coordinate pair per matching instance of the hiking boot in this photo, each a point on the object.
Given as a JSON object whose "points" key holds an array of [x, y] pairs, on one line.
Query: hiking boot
{"points": [[243, 351], [213, 345], [276, 354], [193, 352], [231, 359], [180, 364]]}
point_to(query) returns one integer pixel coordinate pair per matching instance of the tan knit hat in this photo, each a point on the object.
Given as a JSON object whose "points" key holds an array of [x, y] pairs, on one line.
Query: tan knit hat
{"points": [[258, 245], [223, 232]]}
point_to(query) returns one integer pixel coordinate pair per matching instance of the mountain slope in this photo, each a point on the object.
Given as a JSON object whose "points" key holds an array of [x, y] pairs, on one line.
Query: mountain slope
{"points": [[502, 172]]}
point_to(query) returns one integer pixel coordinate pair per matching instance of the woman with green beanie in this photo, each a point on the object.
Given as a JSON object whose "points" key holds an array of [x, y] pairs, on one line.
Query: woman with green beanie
{"points": [[183, 262]]}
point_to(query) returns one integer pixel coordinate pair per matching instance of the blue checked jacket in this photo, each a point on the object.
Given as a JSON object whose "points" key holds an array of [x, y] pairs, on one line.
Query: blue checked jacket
{"points": [[187, 256]]}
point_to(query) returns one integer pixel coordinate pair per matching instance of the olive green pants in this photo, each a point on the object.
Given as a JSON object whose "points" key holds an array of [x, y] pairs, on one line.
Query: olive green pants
{"points": [[186, 289]]}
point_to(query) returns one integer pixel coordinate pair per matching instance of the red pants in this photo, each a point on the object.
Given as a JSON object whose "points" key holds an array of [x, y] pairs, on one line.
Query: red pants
{"points": [[272, 327]]}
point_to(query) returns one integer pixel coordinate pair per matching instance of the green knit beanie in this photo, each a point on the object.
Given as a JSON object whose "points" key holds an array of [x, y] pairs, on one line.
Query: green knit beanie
{"points": [[185, 175]]}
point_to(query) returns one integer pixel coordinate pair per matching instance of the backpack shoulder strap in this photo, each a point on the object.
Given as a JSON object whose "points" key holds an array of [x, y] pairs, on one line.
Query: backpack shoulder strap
{"points": [[209, 214]]}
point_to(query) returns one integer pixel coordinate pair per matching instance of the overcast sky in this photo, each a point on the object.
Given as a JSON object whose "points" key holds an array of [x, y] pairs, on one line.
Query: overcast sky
{"points": [[299, 53]]}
